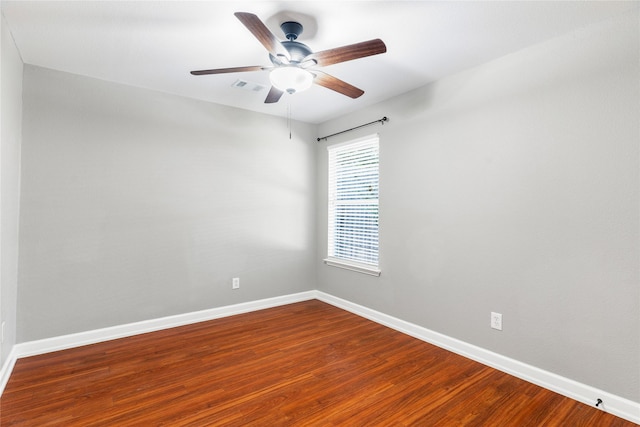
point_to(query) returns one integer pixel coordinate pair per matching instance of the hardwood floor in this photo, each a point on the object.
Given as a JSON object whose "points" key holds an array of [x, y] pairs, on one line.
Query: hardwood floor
{"points": [[307, 364]]}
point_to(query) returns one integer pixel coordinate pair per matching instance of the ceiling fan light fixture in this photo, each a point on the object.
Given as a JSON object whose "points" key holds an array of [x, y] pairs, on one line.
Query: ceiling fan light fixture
{"points": [[291, 79]]}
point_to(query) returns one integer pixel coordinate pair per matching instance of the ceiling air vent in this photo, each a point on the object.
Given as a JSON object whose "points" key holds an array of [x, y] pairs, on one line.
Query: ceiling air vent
{"points": [[250, 86]]}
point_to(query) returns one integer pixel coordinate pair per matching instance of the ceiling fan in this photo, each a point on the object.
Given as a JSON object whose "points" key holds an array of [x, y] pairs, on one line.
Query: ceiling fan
{"points": [[293, 62]]}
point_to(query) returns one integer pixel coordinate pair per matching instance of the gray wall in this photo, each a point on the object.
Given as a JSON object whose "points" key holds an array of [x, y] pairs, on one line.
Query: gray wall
{"points": [[138, 205], [514, 187], [11, 123]]}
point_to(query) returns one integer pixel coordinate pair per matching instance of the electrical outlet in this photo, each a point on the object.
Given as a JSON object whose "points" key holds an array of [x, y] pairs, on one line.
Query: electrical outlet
{"points": [[496, 321], [235, 283]]}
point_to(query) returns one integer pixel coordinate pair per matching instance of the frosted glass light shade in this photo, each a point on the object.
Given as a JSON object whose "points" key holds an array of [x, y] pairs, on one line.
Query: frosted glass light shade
{"points": [[291, 79]]}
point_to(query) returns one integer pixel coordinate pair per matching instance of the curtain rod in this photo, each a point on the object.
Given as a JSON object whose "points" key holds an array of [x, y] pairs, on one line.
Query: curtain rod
{"points": [[382, 120]]}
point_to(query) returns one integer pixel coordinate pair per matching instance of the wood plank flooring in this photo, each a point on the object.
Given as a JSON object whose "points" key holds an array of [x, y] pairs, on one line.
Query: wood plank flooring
{"points": [[304, 364]]}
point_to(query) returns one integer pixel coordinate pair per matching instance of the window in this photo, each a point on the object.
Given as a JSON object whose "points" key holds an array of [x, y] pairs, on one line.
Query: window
{"points": [[353, 205]]}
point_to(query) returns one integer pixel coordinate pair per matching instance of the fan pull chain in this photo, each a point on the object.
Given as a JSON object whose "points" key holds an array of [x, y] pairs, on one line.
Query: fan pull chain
{"points": [[289, 118]]}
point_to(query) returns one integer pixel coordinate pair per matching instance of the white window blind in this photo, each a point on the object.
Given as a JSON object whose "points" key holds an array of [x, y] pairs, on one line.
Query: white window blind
{"points": [[353, 202]]}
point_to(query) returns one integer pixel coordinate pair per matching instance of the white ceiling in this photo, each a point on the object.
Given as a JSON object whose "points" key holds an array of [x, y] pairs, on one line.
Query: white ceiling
{"points": [[154, 44]]}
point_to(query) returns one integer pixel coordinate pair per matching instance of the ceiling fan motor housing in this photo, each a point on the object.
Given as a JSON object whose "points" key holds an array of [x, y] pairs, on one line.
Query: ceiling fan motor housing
{"points": [[297, 51]]}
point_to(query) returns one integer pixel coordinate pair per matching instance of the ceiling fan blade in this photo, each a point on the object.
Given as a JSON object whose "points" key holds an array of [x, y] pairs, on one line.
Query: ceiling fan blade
{"points": [[273, 96], [333, 83], [227, 70], [348, 53], [262, 33]]}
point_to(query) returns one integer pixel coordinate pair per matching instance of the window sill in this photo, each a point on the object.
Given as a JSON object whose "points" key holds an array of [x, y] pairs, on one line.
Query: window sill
{"points": [[353, 266]]}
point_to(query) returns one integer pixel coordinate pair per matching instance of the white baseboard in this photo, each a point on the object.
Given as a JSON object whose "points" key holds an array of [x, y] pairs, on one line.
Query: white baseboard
{"points": [[99, 335], [612, 404], [7, 368], [49, 345]]}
